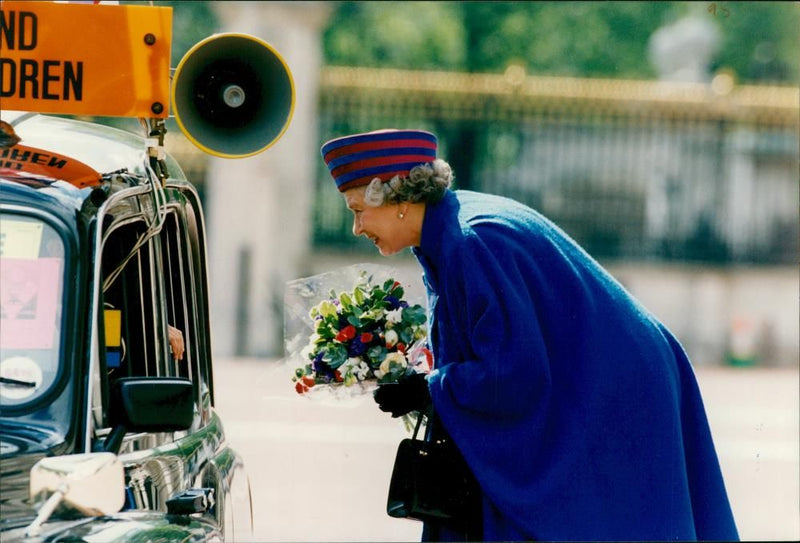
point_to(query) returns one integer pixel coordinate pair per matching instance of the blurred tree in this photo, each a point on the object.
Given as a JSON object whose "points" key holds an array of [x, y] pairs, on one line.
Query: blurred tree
{"points": [[587, 39], [760, 41], [191, 22], [602, 39], [422, 35]]}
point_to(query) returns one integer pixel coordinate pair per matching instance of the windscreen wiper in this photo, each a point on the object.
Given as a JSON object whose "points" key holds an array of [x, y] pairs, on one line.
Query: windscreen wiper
{"points": [[16, 382]]}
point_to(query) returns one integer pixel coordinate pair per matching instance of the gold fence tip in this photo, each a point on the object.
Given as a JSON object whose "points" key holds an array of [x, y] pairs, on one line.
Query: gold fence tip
{"points": [[722, 84]]}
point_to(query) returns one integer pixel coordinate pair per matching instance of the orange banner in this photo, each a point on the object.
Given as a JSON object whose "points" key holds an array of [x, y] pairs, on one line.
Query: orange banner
{"points": [[85, 59], [23, 160]]}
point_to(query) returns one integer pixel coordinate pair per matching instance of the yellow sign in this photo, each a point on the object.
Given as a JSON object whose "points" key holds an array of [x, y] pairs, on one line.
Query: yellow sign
{"points": [[85, 59], [113, 327]]}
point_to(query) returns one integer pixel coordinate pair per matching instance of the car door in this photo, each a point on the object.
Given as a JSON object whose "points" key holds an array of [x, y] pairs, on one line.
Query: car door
{"points": [[153, 277]]}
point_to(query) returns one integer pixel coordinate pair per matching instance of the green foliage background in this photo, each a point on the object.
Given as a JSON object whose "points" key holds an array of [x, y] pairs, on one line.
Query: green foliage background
{"points": [[759, 40]]}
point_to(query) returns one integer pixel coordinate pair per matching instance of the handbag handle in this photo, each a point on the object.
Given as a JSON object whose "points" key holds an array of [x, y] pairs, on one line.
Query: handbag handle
{"points": [[420, 416]]}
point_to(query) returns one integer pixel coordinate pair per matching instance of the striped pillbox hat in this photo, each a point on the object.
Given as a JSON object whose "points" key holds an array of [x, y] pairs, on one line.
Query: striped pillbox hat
{"points": [[358, 159]]}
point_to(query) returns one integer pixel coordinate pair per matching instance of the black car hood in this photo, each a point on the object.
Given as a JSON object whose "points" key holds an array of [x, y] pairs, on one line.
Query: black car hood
{"points": [[120, 528], [15, 474], [20, 448], [20, 439]]}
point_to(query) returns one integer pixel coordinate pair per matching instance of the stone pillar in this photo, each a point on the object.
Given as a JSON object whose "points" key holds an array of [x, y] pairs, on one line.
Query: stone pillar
{"points": [[258, 209]]}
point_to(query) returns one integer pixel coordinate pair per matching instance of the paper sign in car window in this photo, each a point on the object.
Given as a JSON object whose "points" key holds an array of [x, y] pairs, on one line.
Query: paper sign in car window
{"points": [[20, 239], [85, 59], [20, 368], [30, 302]]}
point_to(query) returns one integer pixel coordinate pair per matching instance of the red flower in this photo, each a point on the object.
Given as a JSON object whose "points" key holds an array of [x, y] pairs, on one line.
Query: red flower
{"points": [[366, 337], [338, 376], [304, 384], [346, 334], [428, 357], [401, 347]]}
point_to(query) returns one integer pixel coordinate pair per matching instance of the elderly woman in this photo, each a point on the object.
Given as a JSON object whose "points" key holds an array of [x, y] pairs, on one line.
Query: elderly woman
{"points": [[576, 410]]}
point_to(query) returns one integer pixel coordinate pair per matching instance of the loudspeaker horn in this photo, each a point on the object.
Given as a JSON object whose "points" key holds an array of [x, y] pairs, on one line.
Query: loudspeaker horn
{"points": [[232, 95]]}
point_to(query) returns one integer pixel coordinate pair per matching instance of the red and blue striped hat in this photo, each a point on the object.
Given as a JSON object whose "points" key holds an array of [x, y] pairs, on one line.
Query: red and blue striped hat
{"points": [[358, 159]]}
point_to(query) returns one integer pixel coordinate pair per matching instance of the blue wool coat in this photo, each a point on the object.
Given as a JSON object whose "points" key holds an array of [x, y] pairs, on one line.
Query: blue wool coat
{"points": [[578, 412]]}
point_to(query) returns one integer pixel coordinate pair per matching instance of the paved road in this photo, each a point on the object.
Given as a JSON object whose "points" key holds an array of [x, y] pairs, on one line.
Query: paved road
{"points": [[319, 469]]}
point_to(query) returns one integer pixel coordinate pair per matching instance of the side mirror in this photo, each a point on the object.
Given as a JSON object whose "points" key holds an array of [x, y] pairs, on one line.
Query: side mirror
{"points": [[149, 404], [92, 483]]}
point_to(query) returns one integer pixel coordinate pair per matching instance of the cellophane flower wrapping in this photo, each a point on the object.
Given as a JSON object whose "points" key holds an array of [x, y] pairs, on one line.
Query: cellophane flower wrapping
{"points": [[349, 330]]}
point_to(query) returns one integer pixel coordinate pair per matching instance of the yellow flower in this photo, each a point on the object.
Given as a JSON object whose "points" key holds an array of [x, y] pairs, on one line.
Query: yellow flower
{"points": [[393, 359]]}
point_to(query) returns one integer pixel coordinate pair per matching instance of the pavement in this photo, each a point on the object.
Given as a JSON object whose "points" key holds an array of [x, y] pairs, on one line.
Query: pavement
{"points": [[319, 467]]}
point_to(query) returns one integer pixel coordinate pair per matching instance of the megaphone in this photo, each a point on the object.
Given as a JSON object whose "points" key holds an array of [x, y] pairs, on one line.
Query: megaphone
{"points": [[232, 95]]}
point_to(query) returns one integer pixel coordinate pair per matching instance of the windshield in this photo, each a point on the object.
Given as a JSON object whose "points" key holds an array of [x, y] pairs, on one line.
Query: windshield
{"points": [[31, 298]]}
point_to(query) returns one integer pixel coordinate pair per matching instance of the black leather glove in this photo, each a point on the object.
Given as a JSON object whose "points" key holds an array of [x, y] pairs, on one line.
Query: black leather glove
{"points": [[409, 393]]}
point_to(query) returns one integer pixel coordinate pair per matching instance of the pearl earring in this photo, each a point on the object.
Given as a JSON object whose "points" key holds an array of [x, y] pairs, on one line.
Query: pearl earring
{"points": [[401, 214]]}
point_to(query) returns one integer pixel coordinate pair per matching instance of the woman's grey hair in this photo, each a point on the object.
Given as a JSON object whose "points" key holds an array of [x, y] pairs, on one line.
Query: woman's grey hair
{"points": [[425, 183]]}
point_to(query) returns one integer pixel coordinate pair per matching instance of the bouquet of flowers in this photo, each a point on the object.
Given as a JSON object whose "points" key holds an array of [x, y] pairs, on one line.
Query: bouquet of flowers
{"points": [[362, 337]]}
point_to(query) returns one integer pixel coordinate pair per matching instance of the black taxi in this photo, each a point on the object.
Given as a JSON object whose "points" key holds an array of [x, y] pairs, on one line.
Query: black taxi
{"points": [[92, 279], [108, 430]]}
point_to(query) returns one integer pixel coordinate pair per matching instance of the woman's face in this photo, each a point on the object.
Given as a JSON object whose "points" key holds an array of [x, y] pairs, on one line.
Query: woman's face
{"points": [[382, 224]]}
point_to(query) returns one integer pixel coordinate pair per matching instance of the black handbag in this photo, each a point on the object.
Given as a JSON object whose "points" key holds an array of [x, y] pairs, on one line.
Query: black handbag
{"points": [[431, 481]]}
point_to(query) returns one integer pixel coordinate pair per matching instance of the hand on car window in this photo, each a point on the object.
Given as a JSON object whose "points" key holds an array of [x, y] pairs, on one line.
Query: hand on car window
{"points": [[176, 342]]}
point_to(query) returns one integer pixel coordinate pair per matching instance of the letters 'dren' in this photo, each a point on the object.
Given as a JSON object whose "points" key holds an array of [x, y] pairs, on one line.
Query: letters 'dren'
{"points": [[115, 61], [45, 79]]}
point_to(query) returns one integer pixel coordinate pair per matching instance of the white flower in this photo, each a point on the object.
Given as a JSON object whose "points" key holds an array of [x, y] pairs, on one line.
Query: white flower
{"points": [[356, 367], [391, 338], [393, 359], [350, 363], [395, 315], [350, 370], [361, 371]]}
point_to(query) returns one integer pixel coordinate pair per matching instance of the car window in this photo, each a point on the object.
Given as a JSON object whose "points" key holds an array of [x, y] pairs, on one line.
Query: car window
{"points": [[134, 298], [179, 291], [31, 300], [149, 287]]}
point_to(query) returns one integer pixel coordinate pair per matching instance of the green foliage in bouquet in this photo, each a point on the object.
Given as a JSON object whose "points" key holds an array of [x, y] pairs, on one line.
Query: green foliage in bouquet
{"points": [[369, 333]]}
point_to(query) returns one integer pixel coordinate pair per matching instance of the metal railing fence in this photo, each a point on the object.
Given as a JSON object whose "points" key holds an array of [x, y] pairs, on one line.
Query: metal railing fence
{"points": [[636, 170]]}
